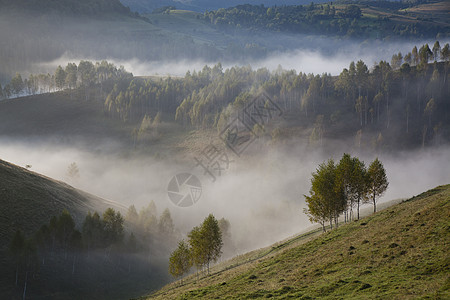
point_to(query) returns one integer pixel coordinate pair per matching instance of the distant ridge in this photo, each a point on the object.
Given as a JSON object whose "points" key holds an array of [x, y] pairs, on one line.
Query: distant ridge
{"points": [[147, 6]]}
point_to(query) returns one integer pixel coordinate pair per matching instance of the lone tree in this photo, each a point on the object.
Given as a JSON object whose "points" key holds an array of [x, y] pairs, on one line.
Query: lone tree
{"points": [[180, 260], [73, 172], [377, 181]]}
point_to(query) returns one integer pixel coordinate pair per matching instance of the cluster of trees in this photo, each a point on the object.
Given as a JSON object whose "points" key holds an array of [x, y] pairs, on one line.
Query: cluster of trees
{"points": [[148, 228], [84, 75], [60, 236], [341, 19], [337, 188], [107, 239], [204, 246]]}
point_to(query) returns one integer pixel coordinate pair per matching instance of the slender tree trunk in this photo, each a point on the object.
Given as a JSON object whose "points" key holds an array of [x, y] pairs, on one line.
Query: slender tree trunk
{"points": [[25, 287], [407, 118], [351, 210], [374, 204], [358, 208], [17, 273], [387, 110], [73, 264]]}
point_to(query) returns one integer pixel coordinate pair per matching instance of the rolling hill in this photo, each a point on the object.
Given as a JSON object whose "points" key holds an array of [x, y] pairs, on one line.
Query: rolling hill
{"points": [[29, 200], [400, 252], [63, 115]]}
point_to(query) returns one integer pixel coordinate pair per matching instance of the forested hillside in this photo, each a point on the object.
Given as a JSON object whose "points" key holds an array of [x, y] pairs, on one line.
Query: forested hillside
{"points": [[146, 6], [394, 105], [355, 19]]}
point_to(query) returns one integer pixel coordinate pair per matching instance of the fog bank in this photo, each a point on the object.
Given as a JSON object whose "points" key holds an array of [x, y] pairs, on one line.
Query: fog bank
{"points": [[261, 195]]}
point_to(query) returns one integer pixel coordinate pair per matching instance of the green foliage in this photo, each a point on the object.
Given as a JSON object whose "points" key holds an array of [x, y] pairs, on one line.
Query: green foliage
{"points": [[180, 260], [374, 101], [206, 242], [165, 225], [354, 19], [17, 84], [398, 252], [60, 77], [335, 189], [65, 226], [327, 198], [71, 75], [377, 179], [113, 226], [93, 230]]}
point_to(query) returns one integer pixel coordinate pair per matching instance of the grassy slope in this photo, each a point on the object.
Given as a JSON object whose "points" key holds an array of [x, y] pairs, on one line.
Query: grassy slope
{"points": [[190, 23], [70, 120], [57, 114], [400, 252]]}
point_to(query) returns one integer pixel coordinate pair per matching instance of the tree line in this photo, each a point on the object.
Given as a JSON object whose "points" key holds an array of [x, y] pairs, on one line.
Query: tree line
{"points": [[108, 240], [85, 75], [338, 189], [203, 246], [372, 104]]}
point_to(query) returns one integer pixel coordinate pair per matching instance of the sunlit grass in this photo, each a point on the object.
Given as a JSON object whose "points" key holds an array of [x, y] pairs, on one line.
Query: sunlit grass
{"points": [[399, 253]]}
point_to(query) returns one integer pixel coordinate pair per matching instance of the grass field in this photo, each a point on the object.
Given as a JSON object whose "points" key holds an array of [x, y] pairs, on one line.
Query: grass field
{"points": [[400, 253]]}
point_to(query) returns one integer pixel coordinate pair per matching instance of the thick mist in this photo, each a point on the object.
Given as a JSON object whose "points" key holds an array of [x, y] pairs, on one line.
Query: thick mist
{"points": [[319, 57], [261, 194]]}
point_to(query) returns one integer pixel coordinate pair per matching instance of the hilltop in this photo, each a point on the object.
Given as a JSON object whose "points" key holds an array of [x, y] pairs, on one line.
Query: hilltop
{"points": [[399, 252]]}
